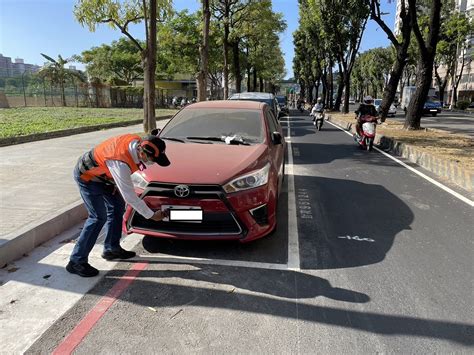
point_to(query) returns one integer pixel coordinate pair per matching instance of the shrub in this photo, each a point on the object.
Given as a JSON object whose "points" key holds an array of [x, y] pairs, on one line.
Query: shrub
{"points": [[462, 105]]}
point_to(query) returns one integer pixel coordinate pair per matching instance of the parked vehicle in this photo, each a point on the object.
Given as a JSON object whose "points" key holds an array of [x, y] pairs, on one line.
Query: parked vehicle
{"points": [[366, 140], [432, 107], [226, 173], [282, 102], [268, 98], [392, 111]]}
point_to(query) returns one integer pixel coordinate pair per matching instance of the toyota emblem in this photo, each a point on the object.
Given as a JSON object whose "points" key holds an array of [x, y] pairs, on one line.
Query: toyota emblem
{"points": [[182, 191]]}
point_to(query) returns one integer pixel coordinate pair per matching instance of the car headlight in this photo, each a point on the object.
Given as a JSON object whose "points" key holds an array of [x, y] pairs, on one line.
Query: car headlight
{"points": [[139, 181], [249, 181]]}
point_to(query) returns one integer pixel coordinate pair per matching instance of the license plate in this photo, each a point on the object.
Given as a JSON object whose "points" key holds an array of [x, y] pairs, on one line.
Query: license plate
{"points": [[433, 110], [183, 213]]}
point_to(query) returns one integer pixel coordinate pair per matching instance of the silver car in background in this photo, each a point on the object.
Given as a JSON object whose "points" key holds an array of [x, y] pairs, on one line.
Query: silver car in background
{"points": [[392, 110]]}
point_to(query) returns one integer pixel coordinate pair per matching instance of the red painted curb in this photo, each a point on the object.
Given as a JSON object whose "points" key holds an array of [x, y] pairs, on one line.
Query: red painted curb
{"points": [[76, 336]]}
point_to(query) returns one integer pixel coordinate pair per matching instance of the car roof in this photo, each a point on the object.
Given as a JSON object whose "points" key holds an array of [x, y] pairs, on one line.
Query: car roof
{"points": [[251, 95], [255, 105]]}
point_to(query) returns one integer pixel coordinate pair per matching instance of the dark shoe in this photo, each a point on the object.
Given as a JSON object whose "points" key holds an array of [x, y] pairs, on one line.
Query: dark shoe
{"points": [[118, 254], [84, 269]]}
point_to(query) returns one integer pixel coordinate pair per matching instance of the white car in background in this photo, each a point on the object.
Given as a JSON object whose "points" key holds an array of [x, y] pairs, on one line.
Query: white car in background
{"points": [[391, 112]]}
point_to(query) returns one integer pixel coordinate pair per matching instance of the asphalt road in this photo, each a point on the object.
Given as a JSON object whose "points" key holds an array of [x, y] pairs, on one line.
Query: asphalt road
{"points": [[386, 265]]}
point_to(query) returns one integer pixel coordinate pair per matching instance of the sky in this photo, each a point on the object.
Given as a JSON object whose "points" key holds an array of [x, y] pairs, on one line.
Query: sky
{"points": [[31, 27]]}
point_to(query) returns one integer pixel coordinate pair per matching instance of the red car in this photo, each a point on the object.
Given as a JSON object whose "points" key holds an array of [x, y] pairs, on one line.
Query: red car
{"points": [[226, 172]]}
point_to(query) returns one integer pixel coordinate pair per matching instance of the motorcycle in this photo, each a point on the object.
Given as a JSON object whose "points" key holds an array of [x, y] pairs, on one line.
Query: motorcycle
{"points": [[318, 120], [366, 140]]}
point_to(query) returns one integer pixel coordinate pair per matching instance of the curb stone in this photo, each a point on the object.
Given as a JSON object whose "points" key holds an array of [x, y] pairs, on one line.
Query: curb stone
{"points": [[30, 236], [440, 167]]}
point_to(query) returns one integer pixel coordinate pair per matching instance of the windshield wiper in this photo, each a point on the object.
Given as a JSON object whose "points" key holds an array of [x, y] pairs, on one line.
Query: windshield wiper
{"points": [[214, 139], [226, 139], [173, 139]]}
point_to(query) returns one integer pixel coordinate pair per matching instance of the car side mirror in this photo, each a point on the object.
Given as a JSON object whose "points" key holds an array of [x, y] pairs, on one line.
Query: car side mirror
{"points": [[277, 138], [155, 132]]}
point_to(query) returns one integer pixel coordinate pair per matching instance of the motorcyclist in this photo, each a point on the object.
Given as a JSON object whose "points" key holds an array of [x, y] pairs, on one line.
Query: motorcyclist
{"points": [[317, 108], [365, 113]]}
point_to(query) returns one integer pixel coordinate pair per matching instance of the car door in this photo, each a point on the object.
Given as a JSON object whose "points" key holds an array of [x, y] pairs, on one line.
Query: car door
{"points": [[277, 151]]}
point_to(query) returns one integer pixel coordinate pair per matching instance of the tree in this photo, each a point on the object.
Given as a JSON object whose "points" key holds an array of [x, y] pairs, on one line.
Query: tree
{"points": [[227, 13], [427, 49], [120, 15], [204, 52], [58, 74], [400, 44], [343, 24], [118, 63], [455, 30]]}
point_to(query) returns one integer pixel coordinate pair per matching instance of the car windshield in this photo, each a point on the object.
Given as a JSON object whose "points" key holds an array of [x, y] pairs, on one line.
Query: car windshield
{"points": [[281, 99], [216, 123], [377, 102]]}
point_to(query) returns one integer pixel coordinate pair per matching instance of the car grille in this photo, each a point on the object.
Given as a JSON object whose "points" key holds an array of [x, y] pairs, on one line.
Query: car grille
{"points": [[196, 191], [213, 223], [221, 223]]}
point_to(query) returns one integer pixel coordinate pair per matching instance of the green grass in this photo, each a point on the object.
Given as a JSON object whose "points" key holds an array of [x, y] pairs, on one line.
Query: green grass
{"points": [[23, 121]]}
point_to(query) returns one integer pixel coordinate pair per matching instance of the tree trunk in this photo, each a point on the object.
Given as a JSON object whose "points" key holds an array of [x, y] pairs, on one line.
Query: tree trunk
{"points": [[236, 60], [340, 88], [424, 74], [310, 93], [149, 66], [248, 79], [260, 79], [204, 53], [302, 89], [63, 95], [331, 86], [254, 79], [226, 54], [423, 83], [391, 89], [347, 91]]}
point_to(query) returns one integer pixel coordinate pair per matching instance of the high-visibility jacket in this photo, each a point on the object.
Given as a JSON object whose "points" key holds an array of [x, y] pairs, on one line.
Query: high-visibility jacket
{"points": [[92, 166]]}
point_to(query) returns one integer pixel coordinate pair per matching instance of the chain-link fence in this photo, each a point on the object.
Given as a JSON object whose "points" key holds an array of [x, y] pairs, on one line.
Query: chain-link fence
{"points": [[32, 90]]}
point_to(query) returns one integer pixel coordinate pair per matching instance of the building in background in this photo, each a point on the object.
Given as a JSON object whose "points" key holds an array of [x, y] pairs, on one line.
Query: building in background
{"points": [[16, 68], [466, 84]]}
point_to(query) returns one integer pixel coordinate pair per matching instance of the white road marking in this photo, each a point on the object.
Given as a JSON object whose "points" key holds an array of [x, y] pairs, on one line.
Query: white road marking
{"points": [[356, 237], [293, 239], [218, 262], [419, 173]]}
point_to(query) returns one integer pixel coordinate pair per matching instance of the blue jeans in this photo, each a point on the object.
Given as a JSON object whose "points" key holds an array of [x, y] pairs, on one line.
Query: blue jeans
{"points": [[105, 206]]}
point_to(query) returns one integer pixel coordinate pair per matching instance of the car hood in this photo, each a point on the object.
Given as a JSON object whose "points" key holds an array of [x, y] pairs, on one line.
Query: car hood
{"points": [[193, 163]]}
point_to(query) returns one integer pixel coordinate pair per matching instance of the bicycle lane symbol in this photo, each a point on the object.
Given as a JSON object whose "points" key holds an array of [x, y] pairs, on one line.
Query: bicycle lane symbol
{"points": [[357, 238]]}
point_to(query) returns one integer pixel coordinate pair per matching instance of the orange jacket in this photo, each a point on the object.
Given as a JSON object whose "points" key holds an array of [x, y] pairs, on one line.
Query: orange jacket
{"points": [[92, 165]]}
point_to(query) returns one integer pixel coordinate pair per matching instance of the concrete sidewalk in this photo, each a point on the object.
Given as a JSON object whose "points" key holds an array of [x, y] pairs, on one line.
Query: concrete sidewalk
{"points": [[38, 196]]}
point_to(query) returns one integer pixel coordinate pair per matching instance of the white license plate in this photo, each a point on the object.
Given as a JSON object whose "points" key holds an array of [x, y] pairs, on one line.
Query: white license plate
{"points": [[183, 213], [433, 110], [186, 215]]}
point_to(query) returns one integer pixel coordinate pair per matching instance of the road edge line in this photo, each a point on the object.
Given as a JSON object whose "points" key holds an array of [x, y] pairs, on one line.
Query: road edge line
{"points": [[293, 237]]}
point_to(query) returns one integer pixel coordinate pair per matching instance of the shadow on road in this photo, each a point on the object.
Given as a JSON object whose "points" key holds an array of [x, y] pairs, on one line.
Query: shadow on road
{"points": [[342, 210], [160, 288]]}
